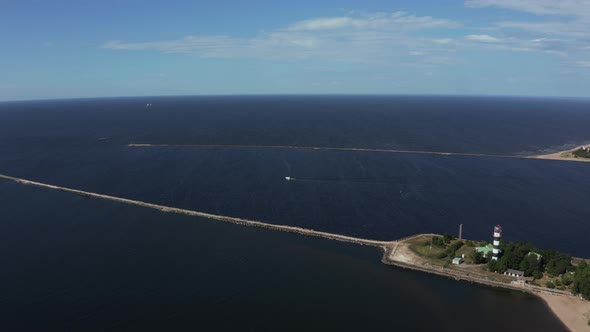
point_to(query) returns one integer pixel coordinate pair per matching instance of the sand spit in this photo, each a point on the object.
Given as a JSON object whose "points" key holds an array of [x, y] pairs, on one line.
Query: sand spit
{"points": [[566, 155], [559, 156], [572, 311]]}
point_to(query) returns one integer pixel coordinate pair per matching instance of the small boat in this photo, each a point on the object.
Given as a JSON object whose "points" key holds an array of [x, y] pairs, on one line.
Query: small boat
{"points": [[288, 178]]}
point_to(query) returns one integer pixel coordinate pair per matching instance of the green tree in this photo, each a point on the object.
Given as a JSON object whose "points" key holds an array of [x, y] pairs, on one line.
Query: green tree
{"points": [[558, 263], [582, 281], [537, 274], [437, 241], [550, 284], [567, 279], [447, 238], [452, 250], [529, 264], [493, 265], [477, 257]]}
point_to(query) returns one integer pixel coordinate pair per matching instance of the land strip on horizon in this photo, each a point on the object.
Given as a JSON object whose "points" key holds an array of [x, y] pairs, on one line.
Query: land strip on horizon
{"points": [[558, 156]]}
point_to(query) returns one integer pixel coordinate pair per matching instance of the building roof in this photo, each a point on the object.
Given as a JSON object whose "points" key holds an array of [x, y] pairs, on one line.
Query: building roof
{"points": [[457, 259], [517, 272], [485, 249]]}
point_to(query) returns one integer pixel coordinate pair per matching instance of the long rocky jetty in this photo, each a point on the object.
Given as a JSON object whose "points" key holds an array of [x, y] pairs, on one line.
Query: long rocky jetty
{"points": [[390, 249], [233, 220]]}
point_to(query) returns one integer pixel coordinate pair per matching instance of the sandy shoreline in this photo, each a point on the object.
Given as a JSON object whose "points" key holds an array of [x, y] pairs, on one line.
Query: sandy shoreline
{"points": [[572, 311], [563, 155]]}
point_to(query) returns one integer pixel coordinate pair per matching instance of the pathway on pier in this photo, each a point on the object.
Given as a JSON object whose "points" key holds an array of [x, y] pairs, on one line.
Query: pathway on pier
{"points": [[234, 220]]}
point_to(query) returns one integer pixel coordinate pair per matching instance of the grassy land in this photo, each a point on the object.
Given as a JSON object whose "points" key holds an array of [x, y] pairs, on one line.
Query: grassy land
{"points": [[426, 250], [439, 252], [579, 153], [434, 255]]}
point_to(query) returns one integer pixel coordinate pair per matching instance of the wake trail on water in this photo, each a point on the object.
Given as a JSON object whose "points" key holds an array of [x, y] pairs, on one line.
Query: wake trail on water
{"points": [[347, 180]]}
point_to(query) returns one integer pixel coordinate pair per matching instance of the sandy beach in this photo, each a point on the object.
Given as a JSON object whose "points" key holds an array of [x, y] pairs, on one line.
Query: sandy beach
{"points": [[571, 310], [562, 155]]}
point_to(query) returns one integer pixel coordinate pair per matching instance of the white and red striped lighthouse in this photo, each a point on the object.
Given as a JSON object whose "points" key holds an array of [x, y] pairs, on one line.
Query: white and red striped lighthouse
{"points": [[496, 242]]}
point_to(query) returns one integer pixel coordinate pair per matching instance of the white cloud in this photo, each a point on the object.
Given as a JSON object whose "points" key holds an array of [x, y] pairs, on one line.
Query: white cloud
{"points": [[379, 21], [385, 38], [555, 27], [539, 7], [482, 38], [327, 23], [442, 41], [583, 63], [370, 38]]}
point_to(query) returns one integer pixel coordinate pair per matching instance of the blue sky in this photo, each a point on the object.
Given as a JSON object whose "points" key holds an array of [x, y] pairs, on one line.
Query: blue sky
{"points": [[71, 49]]}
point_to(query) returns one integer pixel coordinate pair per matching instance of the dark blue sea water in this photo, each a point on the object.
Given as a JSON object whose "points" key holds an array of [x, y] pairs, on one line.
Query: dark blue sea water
{"points": [[77, 263]]}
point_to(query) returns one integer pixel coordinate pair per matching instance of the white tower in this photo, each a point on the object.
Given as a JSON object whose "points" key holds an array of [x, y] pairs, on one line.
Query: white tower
{"points": [[496, 242]]}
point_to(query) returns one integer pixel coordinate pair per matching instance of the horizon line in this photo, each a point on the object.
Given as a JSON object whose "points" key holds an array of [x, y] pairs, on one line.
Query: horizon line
{"points": [[506, 96]]}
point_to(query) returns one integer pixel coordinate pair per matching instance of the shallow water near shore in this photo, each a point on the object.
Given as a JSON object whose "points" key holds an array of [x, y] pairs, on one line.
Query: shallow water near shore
{"points": [[86, 261], [122, 267]]}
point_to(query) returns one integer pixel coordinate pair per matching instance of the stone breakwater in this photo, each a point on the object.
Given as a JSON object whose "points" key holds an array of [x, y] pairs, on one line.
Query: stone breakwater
{"points": [[233, 220], [395, 253], [288, 147]]}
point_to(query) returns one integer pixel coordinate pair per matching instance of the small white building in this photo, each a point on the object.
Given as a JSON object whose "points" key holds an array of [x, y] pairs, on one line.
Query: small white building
{"points": [[514, 273], [457, 260]]}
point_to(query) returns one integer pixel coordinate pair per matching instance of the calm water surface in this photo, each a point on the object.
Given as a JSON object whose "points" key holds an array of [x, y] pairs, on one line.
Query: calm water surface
{"points": [[75, 263]]}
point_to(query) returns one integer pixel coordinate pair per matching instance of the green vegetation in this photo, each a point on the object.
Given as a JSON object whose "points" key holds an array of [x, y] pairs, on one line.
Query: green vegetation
{"points": [[447, 238], [477, 257], [535, 262], [549, 268], [439, 248], [453, 247], [581, 280], [437, 241], [434, 249], [581, 153], [523, 256]]}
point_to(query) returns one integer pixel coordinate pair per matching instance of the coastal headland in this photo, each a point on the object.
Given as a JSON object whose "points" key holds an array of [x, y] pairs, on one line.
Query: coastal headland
{"points": [[558, 156], [571, 310], [578, 154]]}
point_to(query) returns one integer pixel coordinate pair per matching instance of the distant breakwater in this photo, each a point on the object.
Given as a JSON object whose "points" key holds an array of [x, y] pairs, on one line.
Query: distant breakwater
{"points": [[351, 149], [233, 220], [289, 147]]}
